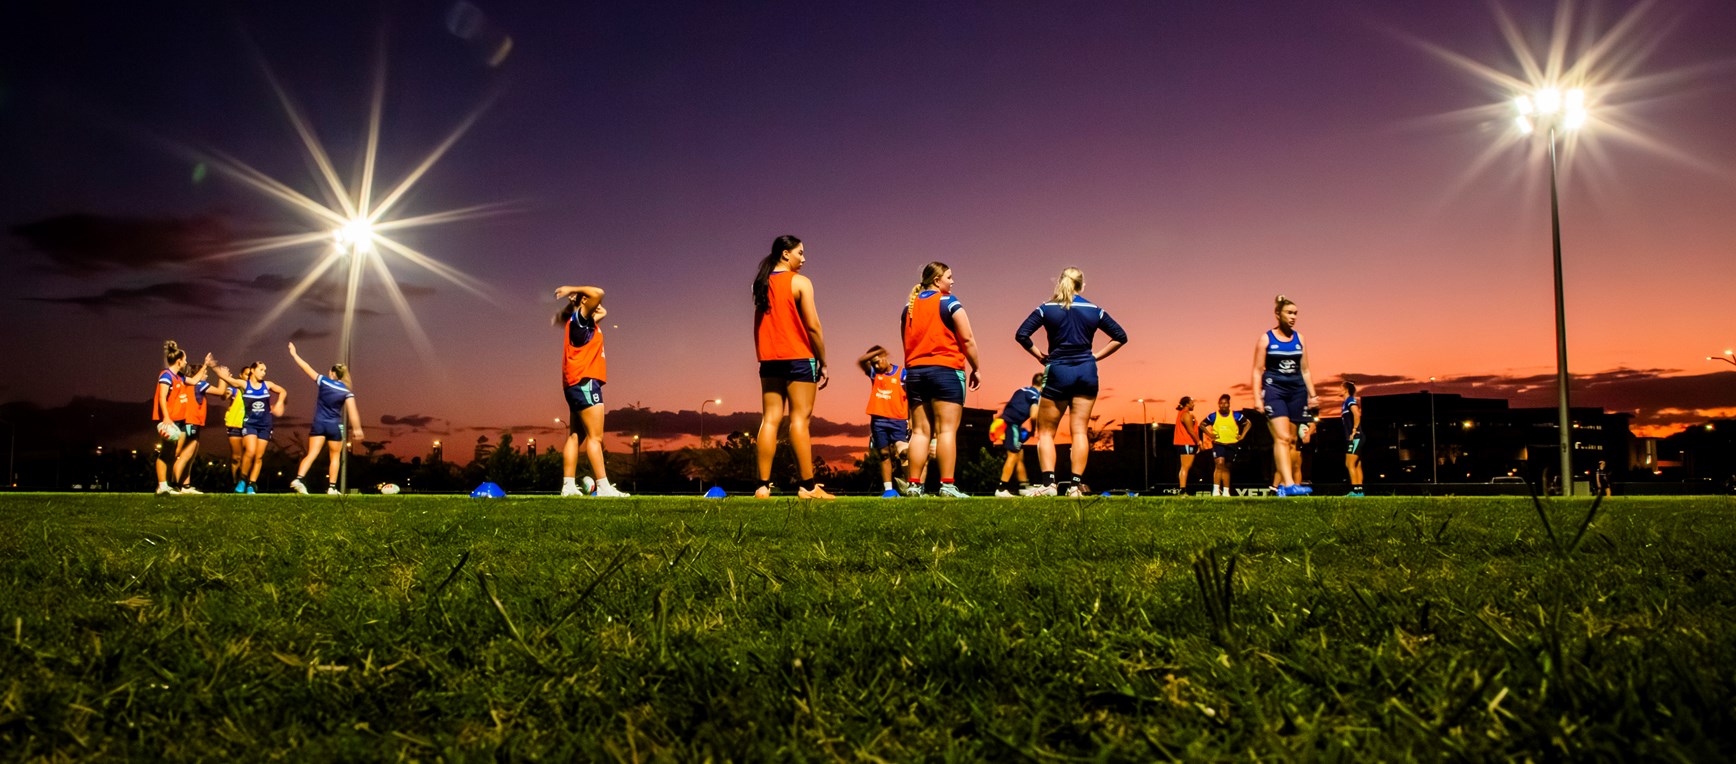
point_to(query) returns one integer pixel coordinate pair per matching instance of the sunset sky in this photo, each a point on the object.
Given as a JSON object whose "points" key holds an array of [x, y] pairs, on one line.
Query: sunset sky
{"points": [[1192, 158]]}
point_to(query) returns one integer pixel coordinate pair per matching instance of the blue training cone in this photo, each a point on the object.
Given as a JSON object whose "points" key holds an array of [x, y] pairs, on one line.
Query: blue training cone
{"points": [[715, 492], [488, 491]]}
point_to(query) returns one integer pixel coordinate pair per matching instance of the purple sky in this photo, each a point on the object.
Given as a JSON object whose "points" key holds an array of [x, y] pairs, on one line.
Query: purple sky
{"points": [[1194, 159]]}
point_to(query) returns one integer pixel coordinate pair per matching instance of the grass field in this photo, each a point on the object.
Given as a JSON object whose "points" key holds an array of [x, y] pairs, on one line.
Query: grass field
{"points": [[1120, 629]]}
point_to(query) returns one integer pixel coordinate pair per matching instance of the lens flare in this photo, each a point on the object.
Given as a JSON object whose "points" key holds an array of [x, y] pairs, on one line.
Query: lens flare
{"points": [[349, 222]]}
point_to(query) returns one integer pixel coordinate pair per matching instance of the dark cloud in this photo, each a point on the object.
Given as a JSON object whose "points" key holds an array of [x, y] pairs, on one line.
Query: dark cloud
{"points": [[307, 334], [196, 295], [83, 243], [412, 421]]}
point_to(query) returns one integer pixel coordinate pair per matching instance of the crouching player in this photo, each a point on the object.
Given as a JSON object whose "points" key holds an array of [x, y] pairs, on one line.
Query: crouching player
{"points": [[888, 416], [1007, 433]]}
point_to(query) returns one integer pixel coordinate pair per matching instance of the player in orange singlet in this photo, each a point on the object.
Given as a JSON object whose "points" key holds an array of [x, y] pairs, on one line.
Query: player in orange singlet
{"points": [[1187, 439], [792, 358], [584, 370], [937, 344], [166, 409], [888, 413]]}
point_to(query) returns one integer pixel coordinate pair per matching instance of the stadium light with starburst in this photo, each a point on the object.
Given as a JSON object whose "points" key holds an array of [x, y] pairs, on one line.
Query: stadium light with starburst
{"points": [[349, 225]]}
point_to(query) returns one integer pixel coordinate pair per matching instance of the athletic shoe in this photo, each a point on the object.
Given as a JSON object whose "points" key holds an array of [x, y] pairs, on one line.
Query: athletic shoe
{"points": [[1002, 493], [1040, 490], [1076, 491], [762, 492], [901, 485], [589, 484], [571, 490], [241, 486], [250, 490], [891, 493], [1301, 490], [817, 492], [334, 492], [914, 491], [951, 491], [1354, 494], [298, 486], [163, 489], [188, 490], [609, 491]]}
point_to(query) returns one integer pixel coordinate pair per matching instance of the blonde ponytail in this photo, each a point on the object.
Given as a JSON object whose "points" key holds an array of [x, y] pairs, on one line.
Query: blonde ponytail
{"points": [[1072, 282], [930, 274], [1280, 302]]}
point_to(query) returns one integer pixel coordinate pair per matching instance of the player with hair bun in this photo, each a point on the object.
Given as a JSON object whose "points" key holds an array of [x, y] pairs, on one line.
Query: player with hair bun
{"points": [[332, 403], [1186, 440], [1284, 389], [167, 410], [262, 402], [194, 409]]}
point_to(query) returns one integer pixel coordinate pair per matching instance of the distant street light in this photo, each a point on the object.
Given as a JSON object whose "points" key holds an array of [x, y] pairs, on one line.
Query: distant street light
{"points": [[1728, 357], [1552, 109], [702, 405]]}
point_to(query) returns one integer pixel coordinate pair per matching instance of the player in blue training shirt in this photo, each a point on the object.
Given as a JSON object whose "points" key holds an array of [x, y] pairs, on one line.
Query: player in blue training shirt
{"points": [[1284, 388], [335, 401], [261, 410], [1351, 416], [1070, 379], [1008, 432]]}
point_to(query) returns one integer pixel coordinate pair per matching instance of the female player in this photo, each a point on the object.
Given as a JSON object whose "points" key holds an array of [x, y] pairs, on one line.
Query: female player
{"points": [[584, 370], [1010, 427], [332, 402], [792, 362], [257, 400], [888, 413], [1351, 416], [1225, 429], [1071, 379], [194, 388], [937, 344], [1186, 440], [1284, 388], [166, 409], [235, 417]]}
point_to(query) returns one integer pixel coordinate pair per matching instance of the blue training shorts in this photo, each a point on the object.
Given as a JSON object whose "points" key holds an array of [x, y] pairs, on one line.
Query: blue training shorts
{"points": [[1066, 381], [1225, 451], [1354, 446], [327, 430], [587, 393], [260, 431], [793, 370], [885, 431], [1290, 403], [924, 384], [1015, 438]]}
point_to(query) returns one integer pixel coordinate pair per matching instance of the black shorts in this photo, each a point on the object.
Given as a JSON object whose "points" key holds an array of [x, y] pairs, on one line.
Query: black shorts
{"points": [[191, 431], [791, 370], [943, 384], [1186, 450], [1225, 451], [587, 393]]}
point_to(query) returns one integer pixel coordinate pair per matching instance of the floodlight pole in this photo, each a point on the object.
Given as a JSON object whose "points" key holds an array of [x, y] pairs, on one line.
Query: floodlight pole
{"points": [[344, 352], [1561, 378]]}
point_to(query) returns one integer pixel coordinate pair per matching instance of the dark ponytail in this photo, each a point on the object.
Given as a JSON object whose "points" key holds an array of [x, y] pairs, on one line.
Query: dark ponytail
{"points": [[762, 281], [1350, 388]]}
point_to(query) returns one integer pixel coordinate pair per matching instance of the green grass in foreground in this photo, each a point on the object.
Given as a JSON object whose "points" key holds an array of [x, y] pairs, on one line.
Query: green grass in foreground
{"points": [[378, 627]]}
